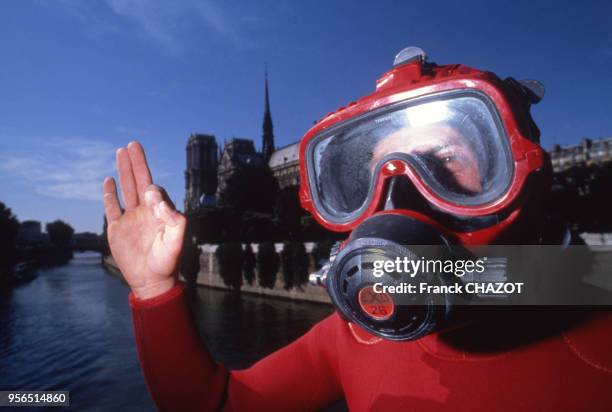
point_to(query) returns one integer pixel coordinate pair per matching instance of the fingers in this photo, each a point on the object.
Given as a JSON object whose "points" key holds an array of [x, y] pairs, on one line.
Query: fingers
{"points": [[126, 179], [112, 209], [140, 168]]}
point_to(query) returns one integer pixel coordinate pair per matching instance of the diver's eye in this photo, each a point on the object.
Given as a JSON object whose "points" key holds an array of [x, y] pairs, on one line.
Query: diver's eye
{"points": [[448, 158]]}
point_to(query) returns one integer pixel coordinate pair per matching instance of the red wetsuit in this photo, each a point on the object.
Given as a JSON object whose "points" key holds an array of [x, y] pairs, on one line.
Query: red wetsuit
{"points": [[570, 369]]}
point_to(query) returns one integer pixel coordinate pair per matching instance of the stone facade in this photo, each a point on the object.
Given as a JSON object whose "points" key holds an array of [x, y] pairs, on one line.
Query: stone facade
{"points": [[201, 172], [583, 154], [285, 165], [237, 152]]}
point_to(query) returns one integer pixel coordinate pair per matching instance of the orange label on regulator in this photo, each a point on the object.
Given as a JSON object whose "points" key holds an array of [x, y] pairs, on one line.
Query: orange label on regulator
{"points": [[378, 306]]}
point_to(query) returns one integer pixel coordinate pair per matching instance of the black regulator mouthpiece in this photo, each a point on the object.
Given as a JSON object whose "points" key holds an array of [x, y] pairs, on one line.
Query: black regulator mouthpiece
{"points": [[400, 301], [354, 281]]}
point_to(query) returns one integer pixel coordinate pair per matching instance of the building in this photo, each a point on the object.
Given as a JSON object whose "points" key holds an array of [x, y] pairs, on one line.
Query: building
{"points": [[586, 153], [236, 153], [209, 168], [201, 172], [241, 152], [267, 137], [285, 165], [30, 233]]}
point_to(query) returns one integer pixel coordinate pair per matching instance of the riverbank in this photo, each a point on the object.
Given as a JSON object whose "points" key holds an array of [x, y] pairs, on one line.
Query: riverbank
{"points": [[210, 278]]}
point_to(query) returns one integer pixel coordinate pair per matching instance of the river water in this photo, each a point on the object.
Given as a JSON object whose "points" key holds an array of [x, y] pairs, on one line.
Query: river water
{"points": [[70, 329]]}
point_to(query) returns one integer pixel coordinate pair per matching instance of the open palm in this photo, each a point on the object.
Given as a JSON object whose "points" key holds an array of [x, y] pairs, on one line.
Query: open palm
{"points": [[145, 239]]}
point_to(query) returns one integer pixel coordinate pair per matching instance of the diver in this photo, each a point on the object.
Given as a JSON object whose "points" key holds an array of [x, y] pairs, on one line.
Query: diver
{"points": [[442, 155]]}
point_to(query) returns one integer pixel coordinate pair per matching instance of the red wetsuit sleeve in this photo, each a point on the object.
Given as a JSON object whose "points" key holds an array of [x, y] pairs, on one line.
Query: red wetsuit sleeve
{"points": [[302, 376], [181, 374]]}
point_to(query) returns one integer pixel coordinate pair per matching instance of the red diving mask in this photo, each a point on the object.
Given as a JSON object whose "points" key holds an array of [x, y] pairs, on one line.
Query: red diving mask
{"points": [[463, 139], [437, 158]]}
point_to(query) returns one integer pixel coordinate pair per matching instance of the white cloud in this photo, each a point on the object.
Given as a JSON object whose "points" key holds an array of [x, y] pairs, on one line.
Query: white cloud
{"points": [[152, 16], [216, 19], [176, 26], [65, 168], [166, 21]]}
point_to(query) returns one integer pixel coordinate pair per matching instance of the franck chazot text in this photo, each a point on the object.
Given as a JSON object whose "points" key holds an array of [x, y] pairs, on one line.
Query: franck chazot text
{"points": [[489, 288]]}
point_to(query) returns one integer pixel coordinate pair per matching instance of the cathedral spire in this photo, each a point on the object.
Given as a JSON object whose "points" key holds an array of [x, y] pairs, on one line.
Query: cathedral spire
{"points": [[267, 147]]}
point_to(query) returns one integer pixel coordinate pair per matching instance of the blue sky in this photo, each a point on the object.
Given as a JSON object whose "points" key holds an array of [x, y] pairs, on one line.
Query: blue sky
{"points": [[80, 78]]}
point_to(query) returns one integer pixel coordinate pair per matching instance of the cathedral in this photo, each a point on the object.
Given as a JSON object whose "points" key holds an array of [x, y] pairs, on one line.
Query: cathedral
{"points": [[209, 167]]}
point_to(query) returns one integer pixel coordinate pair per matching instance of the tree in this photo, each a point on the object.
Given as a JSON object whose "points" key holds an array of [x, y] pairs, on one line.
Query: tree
{"points": [[229, 257], [257, 227], [289, 212], [287, 264], [60, 233], [267, 265], [248, 264], [9, 225], [190, 262], [250, 188], [295, 264], [301, 262]]}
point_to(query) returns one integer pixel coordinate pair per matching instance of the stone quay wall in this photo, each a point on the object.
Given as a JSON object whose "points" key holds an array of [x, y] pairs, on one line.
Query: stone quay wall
{"points": [[209, 276]]}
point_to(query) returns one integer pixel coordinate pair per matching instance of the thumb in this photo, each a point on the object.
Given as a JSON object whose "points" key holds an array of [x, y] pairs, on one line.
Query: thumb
{"points": [[174, 226]]}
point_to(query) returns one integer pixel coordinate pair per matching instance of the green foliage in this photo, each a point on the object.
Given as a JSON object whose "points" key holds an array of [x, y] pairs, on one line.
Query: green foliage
{"points": [[248, 264], [295, 264], [250, 188], [229, 258], [267, 265], [60, 233]]}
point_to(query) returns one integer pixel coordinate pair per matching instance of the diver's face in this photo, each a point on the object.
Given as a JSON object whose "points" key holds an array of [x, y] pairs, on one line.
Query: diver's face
{"points": [[446, 153]]}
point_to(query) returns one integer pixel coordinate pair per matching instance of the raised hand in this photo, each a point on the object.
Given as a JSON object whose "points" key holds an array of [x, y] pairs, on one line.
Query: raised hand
{"points": [[146, 239]]}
